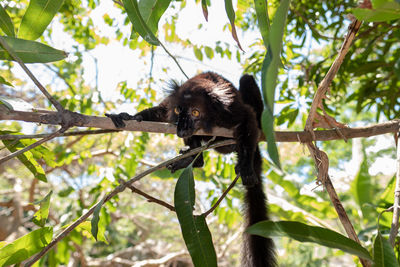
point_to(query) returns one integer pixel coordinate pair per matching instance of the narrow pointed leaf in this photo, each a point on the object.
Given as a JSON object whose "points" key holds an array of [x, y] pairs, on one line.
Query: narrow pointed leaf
{"points": [[139, 25], [306, 233], [361, 188], [376, 15], [269, 72], [95, 220], [262, 18], [37, 17], [387, 197], [31, 51], [40, 217], [231, 16], [273, 62], [6, 23], [383, 253], [194, 229], [151, 11], [27, 158], [205, 10], [25, 246], [4, 81]]}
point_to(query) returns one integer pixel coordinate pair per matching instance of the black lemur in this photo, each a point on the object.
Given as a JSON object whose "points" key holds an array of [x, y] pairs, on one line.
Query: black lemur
{"points": [[203, 102]]}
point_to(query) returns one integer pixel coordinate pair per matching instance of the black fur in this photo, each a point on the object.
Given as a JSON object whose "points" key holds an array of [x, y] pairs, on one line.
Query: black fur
{"points": [[219, 103]]}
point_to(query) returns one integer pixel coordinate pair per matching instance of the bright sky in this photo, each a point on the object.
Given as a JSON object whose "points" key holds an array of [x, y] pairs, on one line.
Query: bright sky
{"points": [[117, 63]]}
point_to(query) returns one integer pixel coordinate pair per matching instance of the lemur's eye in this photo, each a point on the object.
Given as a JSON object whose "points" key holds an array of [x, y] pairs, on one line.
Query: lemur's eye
{"points": [[195, 113], [176, 110]]}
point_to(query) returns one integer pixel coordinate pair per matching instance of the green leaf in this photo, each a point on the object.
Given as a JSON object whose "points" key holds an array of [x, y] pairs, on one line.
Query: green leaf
{"points": [[267, 123], [3, 81], [66, 192], [376, 15], [151, 11], [26, 246], [387, 196], [269, 75], [306, 233], [40, 217], [194, 229], [272, 60], [262, 18], [204, 4], [6, 23], [385, 4], [361, 187], [198, 53], [139, 25], [231, 16], [383, 253], [105, 220], [386, 200], [31, 51], [95, 220], [209, 52], [37, 17], [27, 158]]}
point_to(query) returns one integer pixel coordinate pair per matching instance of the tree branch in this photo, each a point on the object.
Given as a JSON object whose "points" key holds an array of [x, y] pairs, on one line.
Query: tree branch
{"points": [[49, 117], [221, 197], [150, 198]]}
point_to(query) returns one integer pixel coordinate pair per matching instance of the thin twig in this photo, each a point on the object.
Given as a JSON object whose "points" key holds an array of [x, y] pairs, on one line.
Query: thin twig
{"points": [[324, 85], [174, 59], [322, 165], [150, 198], [118, 190], [344, 219], [221, 197], [394, 229], [41, 141], [10, 51]]}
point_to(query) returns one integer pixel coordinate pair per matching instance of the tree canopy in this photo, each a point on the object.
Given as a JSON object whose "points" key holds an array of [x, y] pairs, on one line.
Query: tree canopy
{"points": [[76, 190]]}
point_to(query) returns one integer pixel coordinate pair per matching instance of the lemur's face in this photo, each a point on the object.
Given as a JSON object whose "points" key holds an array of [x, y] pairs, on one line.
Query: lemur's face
{"points": [[187, 119], [189, 107]]}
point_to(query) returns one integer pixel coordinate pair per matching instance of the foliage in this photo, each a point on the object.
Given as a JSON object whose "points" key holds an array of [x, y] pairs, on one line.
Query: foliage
{"points": [[290, 58]]}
